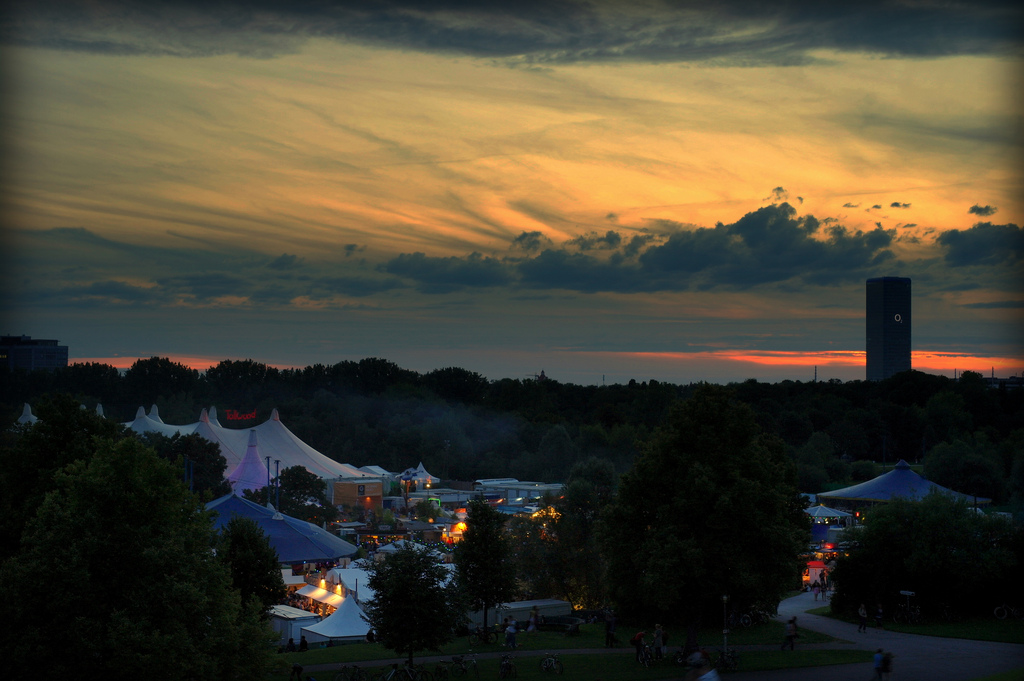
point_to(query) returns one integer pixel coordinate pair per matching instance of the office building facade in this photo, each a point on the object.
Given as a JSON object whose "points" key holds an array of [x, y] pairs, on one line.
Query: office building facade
{"points": [[25, 352], [888, 327]]}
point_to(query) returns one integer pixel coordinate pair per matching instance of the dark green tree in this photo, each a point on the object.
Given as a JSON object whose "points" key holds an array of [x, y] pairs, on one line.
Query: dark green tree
{"points": [[255, 569], [577, 559], [415, 608], [145, 596], [196, 453], [148, 379], [939, 548], [485, 574], [710, 508], [31, 456], [967, 467], [303, 496]]}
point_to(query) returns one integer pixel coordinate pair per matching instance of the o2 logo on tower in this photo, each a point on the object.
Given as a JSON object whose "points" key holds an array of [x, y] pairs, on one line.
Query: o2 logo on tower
{"points": [[898, 318]]}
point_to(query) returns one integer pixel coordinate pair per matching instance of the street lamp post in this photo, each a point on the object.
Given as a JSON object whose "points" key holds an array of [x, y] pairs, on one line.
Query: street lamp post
{"points": [[725, 623]]}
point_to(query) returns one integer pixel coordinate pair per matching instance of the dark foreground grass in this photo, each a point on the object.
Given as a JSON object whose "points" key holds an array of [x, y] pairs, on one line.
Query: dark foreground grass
{"points": [[623, 667], [597, 666], [973, 628]]}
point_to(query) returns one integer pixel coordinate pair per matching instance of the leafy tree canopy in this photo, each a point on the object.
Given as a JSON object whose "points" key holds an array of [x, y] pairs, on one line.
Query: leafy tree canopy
{"points": [[148, 598], [485, 574], [253, 563], [302, 494], [200, 455], [939, 548], [415, 608], [710, 508]]}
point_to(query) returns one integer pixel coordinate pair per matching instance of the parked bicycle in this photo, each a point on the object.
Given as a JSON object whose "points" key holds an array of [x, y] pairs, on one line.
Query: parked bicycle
{"points": [[646, 656], [406, 673], [458, 667], [351, 673], [482, 636], [551, 663], [906, 613], [462, 664], [727, 660], [1001, 612], [507, 667]]}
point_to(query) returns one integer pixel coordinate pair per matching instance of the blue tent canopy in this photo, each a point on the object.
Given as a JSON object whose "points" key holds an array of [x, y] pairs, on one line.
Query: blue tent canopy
{"points": [[901, 482], [294, 540]]}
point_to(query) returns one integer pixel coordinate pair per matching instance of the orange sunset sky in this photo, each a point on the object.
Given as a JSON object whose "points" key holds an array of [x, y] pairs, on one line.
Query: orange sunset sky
{"points": [[605, 191]]}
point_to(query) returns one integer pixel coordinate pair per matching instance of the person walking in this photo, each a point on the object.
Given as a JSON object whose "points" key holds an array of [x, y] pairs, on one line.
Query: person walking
{"points": [[510, 635], [638, 643], [659, 640], [791, 634], [878, 617], [877, 660], [862, 613], [609, 629], [700, 668], [816, 588]]}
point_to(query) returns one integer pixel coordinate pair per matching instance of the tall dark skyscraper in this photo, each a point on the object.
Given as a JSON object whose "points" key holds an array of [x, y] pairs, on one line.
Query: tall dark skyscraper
{"points": [[888, 326]]}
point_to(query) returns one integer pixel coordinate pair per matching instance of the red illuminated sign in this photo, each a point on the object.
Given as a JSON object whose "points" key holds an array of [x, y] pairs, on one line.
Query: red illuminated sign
{"points": [[234, 415]]}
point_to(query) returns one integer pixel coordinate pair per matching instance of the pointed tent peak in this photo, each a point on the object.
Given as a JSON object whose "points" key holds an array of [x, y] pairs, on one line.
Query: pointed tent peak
{"points": [[274, 416], [204, 416], [141, 413], [154, 413], [278, 516], [902, 465], [252, 438], [26, 415], [99, 409], [213, 416]]}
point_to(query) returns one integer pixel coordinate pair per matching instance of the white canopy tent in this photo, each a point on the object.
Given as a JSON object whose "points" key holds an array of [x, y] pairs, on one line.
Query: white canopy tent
{"points": [[344, 624]]}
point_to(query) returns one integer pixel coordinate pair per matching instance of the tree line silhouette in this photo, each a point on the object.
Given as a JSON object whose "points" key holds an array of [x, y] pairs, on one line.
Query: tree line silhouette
{"points": [[969, 436]]}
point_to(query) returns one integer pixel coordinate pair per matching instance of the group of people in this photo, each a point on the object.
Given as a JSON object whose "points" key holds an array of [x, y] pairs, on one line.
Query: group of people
{"points": [[821, 586], [862, 614], [659, 643], [511, 627]]}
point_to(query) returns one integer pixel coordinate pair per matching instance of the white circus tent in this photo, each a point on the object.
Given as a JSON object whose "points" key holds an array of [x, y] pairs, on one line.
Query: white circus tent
{"points": [[278, 443], [251, 473]]}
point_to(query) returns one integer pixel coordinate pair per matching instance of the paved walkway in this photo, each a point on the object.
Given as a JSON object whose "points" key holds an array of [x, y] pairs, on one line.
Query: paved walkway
{"points": [[917, 658]]}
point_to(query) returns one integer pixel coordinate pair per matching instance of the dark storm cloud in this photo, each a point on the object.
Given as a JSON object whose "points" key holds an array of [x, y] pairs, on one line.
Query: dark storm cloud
{"points": [[591, 241], [897, 204], [983, 211], [162, 275], [352, 249], [983, 244], [530, 242], [285, 262], [526, 32], [770, 245], [443, 275], [205, 286], [99, 294], [357, 287], [851, 205], [997, 305]]}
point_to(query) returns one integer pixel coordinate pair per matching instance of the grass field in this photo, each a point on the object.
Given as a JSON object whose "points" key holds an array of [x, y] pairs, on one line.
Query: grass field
{"points": [[973, 628], [597, 665]]}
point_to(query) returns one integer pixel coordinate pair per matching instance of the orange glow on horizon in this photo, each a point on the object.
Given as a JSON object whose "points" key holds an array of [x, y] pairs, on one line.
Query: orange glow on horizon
{"points": [[921, 360], [197, 363]]}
